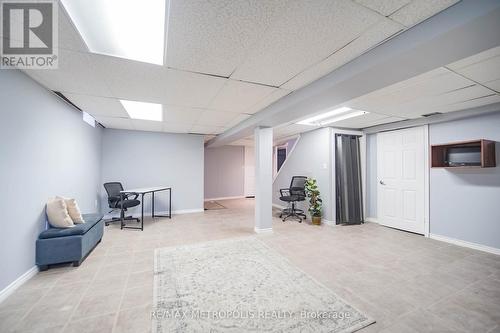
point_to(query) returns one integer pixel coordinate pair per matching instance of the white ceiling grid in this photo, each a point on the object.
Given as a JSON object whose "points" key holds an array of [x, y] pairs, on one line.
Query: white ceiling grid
{"points": [[461, 85], [228, 59]]}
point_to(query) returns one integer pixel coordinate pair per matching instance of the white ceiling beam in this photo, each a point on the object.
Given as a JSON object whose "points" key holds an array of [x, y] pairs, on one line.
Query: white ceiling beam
{"points": [[464, 29]]}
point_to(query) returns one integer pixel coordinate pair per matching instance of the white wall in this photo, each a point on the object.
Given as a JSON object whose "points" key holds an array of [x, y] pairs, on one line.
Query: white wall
{"points": [[46, 150], [311, 157], [224, 172], [142, 159]]}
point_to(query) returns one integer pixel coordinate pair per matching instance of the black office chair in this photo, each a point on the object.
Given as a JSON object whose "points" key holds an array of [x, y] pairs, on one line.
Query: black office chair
{"points": [[292, 195], [114, 201]]}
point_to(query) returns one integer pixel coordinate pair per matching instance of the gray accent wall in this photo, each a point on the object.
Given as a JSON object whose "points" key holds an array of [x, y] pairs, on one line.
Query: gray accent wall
{"points": [[224, 172], [47, 150], [465, 204], [311, 157], [144, 159]]}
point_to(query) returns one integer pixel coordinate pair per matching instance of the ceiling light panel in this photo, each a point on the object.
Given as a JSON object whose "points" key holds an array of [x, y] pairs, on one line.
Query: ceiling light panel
{"points": [[143, 111], [332, 116], [122, 28]]}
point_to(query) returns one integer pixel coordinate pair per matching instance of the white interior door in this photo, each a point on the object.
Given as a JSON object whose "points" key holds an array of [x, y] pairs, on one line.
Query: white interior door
{"points": [[401, 179]]}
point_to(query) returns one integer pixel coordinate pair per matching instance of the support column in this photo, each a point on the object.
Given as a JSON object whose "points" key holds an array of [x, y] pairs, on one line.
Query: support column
{"points": [[263, 179]]}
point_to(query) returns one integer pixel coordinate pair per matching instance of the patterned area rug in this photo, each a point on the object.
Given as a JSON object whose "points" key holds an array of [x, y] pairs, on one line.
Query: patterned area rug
{"points": [[242, 285]]}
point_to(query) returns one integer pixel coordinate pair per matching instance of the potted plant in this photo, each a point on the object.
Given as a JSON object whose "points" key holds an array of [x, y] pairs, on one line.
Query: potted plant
{"points": [[315, 202]]}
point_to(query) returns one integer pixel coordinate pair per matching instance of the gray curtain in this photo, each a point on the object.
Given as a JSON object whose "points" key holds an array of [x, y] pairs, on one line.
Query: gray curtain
{"points": [[349, 195]]}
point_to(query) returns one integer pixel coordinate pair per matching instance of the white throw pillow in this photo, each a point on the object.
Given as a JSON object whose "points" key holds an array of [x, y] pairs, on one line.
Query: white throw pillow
{"points": [[57, 214], [73, 210]]}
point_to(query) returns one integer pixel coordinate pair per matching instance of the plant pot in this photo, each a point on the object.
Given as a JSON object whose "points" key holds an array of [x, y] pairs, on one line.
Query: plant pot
{"points": [[316, 220]]}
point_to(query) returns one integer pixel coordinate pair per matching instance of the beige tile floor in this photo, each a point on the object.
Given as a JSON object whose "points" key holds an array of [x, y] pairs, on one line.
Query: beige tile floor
{"points": [[406, 282]]}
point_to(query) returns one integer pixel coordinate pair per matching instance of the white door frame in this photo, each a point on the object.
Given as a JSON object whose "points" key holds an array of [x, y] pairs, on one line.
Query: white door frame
{"points": [[426, 178], [427, 214]]}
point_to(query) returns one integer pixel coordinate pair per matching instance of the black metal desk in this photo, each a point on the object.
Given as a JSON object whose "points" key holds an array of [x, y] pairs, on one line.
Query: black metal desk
{"points": [[142, 192]]}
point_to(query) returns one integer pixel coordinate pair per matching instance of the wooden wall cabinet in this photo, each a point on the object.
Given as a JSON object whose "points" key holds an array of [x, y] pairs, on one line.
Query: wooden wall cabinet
{"points": [[464, 154]]}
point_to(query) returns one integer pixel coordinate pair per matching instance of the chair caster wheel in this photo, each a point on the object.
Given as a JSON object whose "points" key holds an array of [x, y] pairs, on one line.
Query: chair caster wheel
{"points": [[300, 221]]}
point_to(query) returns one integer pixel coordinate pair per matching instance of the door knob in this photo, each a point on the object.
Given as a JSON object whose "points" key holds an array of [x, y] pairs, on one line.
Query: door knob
{"points": [[382, 182]]}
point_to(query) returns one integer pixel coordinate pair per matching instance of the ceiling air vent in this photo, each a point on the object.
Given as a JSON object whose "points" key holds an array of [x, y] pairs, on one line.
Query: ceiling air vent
{"points": [[431, 114]]}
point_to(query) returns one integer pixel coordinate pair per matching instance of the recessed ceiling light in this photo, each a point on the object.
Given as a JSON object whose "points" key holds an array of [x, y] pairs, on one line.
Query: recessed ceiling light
{"points": [[122, 28], [142, 110], [332, 116]]}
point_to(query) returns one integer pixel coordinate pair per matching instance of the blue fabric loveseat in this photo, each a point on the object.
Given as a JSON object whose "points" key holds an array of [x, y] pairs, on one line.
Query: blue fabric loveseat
{"points": [[57, 245]]}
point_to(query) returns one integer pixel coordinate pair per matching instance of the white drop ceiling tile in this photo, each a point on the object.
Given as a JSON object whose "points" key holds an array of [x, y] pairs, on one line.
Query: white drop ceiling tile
{"points": [[117, 123], [449, 101], [460, 95], [495, 85], [237, 120], [268, 100], [237, 96], [433, 83], [369, 39], [484, 71], [180, 114], [145, 82], [176, 128], [215, 36], [216, 118], [202, 129], [305, 33], [419, 10], [384, 7], [291, 129], [147, 125], [133, 80], [387, 120], [69, 37], [482, 56], [367, 120], [469, 104], [76, 74], [98, 106]]}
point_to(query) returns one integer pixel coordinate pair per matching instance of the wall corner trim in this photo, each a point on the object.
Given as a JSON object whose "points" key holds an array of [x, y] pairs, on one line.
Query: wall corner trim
{"points": [[7, 291], [463, 243], [371, 220]]}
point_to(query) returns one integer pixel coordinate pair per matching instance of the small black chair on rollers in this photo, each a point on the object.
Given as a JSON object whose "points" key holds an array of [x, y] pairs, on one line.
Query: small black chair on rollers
{"points": [[292, 195]]}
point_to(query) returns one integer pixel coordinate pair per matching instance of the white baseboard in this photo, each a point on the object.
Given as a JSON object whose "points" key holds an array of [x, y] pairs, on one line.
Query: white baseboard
{"points": [[463, 243], [265, 230], [7, 291], [184, 211], [328, 223], [226, 198], [371, 220], [174, 212]]}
